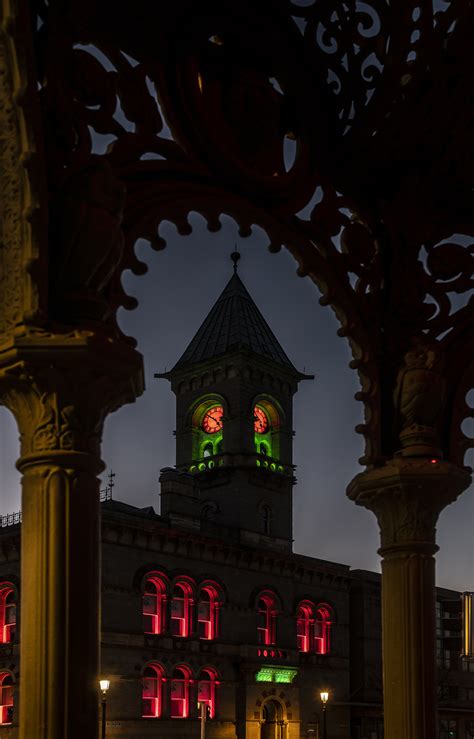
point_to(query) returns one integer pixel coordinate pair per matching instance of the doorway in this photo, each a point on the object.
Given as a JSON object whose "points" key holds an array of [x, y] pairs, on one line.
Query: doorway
{"points": [[273, 726]]}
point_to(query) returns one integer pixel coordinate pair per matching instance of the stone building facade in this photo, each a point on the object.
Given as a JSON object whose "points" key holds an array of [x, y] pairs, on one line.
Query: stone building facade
{"points": [[206, 602]]}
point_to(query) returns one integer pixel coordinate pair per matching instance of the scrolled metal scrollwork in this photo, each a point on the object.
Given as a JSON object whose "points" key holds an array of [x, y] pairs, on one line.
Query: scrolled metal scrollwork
{"points": [[336, 126]]}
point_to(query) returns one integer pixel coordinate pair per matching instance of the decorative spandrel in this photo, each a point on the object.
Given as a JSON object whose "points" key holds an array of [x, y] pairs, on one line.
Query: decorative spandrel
{"points": [[344, 129]]}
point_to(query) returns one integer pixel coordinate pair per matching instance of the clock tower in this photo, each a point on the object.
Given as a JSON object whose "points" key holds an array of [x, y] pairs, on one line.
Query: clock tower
{"points": [[234, 388]]}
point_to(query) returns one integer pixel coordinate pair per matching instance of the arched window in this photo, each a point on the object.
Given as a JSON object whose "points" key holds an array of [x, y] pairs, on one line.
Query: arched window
{"points": [[208, 609], [322, 627], [7, 613], [154, 605], [266, 424], [181, 609], [266, 617], [6, 698], [305, 626], [207, 690], [208, 428], [152, 693], [313, 627], [266, 519], [179, 694]]}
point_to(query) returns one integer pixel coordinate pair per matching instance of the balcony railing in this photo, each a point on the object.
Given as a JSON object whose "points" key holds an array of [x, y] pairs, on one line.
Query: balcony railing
{"points": [[220, 461], [11, 519]]}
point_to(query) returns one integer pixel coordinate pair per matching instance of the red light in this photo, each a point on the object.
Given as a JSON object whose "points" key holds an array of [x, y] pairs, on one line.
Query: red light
{"points": [[434, 461], [265, 653]]}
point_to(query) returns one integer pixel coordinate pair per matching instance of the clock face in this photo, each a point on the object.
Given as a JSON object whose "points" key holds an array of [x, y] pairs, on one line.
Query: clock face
{"points": [[212, 421], [261, 424]]}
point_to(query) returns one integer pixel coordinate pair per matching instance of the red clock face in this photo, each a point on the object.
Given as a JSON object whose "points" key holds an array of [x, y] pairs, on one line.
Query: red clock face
{"points": [[261, 424], [212, 421]]}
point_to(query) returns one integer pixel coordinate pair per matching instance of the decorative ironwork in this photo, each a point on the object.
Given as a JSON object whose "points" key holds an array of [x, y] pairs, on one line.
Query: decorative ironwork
{"points": [[344, 129], [10, 519]]}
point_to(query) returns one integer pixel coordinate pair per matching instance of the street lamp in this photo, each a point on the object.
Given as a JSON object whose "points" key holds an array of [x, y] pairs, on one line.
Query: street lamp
{"points": [[104, 686], [324, 695]]}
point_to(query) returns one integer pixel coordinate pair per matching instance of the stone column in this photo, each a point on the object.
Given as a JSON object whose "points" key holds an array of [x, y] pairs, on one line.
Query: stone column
{"points": [[60, 390], [407, 495]]}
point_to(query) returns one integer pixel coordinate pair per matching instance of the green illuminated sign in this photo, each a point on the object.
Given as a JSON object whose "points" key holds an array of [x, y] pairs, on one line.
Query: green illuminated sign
{"points": [[276, 675]]}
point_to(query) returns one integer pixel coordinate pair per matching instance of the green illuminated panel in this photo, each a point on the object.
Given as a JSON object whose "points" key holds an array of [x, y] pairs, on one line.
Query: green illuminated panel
{"points": [[285, 676], [213, 440], [264, 675], [275, 675]]}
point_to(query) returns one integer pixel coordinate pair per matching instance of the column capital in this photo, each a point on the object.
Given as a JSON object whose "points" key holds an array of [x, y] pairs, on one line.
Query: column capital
{"points": [[407, 495], [61, 387]]}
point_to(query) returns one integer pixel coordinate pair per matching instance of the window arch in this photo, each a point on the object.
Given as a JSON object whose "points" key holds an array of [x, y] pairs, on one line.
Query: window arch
{"points": [[154, 604], [208, 611], [7, 613], [313, 627], [305, 626], [266, 513], [209, 510], [207, 422], [181, 609], [266, 422], [6, 698], [322, 637], [266, 617], [179, 695], [207, 690], [152, 691]]}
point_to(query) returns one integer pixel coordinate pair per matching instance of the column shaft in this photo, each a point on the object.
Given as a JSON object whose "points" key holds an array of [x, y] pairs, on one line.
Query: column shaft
{"points": [[407, 494], [408, 628], [60, 596]]}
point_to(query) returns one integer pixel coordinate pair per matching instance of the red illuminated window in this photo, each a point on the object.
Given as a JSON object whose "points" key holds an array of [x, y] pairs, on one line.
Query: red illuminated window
{"points": [[322, 630], [313, 627], [181, 606], [207, 690], [154, 605], [305, 626], [6, 698], [179, 694], [7, 614], [152, 691], [266, 615], [208, 613]]}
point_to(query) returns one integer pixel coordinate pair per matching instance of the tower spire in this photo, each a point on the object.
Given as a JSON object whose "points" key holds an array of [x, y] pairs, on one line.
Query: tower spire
{"points": [[235, 256]]}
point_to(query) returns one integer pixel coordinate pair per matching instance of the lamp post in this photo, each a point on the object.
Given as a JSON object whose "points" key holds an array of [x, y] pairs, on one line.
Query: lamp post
{"points": [[104, 686], [324, 695]]}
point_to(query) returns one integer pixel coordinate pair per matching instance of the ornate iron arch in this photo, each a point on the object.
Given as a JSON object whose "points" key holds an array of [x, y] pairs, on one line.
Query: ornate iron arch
{"points": [[198, 107], [345, 130]]}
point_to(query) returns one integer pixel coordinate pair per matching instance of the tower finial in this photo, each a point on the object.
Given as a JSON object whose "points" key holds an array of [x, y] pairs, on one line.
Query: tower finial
{"points": [[235, 256]]}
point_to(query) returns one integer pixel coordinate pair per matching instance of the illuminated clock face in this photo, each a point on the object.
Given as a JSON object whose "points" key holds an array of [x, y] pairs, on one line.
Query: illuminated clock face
{"points": [[212, 421], [260, 420]]}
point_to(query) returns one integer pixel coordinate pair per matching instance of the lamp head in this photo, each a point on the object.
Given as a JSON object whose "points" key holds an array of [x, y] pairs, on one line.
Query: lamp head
{"points": [[104, 685], [324, 696]]}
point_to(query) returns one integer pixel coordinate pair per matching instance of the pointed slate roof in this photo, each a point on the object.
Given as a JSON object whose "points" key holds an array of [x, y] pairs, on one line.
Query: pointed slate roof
{"points": [[234, 322]]}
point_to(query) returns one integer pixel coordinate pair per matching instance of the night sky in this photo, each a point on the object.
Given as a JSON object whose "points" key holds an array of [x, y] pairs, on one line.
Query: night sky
{"points": [[176, 294]]}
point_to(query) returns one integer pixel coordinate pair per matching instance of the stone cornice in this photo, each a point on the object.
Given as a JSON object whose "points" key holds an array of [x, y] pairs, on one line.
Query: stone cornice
{"points": [[158, 538]]}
